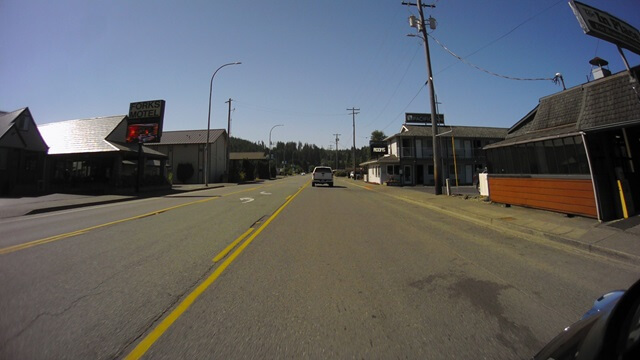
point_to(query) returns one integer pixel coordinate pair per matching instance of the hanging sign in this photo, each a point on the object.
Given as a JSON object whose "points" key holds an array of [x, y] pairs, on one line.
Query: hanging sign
{"points": [[607, 27], [144, 124]]}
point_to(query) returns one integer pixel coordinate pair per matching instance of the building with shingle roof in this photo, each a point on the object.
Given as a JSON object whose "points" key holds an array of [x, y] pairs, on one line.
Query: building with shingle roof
{"points": [[92, 155], [22, 153], [576, 152], [409, 156], [188, 147]]}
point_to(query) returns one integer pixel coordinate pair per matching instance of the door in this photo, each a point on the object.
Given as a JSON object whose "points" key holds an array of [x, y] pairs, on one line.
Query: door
{"points": [[468, 174], [407, 175], [419, 175]]}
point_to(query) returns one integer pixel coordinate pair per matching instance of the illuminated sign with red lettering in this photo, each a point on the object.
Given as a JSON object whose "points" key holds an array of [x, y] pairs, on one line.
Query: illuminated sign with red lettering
{"points": [[145, 121], [142, 133]]}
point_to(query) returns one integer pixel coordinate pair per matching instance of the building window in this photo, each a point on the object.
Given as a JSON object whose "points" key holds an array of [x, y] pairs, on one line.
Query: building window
{"points": [[393, 169], [564, 156]]}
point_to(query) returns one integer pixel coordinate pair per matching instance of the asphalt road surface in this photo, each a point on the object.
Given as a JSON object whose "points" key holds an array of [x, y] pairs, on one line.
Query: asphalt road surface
{"points": [[309, 272]]}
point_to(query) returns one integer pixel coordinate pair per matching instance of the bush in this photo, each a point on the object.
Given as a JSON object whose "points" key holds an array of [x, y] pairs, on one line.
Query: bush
{"points": [[263, 170], [184, 172], [249, 170]]}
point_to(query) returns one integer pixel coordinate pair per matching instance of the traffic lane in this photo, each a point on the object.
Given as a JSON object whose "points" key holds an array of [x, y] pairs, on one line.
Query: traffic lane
{"points": [[353, 282], [34, 227], [589, 274], [333, 280], [112, 283], [48, 224]]}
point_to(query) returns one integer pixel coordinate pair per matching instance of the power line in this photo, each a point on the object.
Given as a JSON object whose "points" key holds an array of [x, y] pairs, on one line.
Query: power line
{"points": [[483, 69], [281, 111], [393, 94], [504, 35], [405, 108]]}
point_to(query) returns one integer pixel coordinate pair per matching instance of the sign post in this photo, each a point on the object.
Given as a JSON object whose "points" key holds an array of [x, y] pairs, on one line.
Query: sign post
{"points": [[144, 125]]}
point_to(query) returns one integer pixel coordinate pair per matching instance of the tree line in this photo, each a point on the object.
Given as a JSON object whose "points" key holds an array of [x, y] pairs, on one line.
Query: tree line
{"points": [[295, 157]]}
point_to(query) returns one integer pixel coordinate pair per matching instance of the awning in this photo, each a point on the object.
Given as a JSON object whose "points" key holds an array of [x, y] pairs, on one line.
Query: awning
{"points": [[541, 135]]}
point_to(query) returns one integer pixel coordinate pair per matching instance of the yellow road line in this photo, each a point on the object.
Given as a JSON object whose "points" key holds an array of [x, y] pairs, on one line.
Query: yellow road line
{"points": [[29, 244], [228, 249], [159, 330]]}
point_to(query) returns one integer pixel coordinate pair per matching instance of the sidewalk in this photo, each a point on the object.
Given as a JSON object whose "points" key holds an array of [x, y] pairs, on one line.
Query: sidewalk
{"points": [[13, 207]]}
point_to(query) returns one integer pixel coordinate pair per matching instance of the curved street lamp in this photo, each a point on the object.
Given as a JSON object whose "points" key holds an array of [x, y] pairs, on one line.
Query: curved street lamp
{"points": [[206, 145], [275, 126]]}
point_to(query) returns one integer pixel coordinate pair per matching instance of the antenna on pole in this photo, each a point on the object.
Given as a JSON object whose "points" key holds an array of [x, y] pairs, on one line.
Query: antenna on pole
{"points": [[337, 139], [354, 111]]}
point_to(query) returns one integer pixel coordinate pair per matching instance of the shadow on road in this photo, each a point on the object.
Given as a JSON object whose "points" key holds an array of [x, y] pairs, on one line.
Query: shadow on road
{"points": [[192, 196]]}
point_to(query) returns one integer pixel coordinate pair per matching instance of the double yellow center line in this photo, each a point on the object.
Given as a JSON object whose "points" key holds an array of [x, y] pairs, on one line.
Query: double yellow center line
{"points": [[160, 329]]}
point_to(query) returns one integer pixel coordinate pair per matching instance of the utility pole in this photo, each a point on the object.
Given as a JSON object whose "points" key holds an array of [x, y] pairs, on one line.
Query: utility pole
{"points": [[421, 26], [354, 111], [330, 150], [228, 167], [337, 139]]}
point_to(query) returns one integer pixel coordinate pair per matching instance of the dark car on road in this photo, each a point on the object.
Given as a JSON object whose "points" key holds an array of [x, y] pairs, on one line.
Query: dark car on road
{"points": [[610, 330]]}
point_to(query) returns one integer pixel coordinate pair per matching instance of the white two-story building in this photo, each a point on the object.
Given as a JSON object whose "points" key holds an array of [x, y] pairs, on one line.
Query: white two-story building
{"points": [[409, 158]]}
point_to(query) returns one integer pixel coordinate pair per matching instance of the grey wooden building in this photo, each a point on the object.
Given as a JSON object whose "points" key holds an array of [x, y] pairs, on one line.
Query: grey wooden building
{"points": [[576, 152], [22, 154]]}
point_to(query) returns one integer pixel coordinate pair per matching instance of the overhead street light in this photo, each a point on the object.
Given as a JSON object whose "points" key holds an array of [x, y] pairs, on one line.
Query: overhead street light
{"points": [[206, 145], [274, 126]]}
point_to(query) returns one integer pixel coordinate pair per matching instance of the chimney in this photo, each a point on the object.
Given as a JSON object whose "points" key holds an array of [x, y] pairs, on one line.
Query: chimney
{"points": [[597, 69]]}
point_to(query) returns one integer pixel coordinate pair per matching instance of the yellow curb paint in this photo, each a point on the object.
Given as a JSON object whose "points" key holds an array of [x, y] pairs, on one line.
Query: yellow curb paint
{"points": [[625, 214], [228, 249], [157, 332], [29, 244]]}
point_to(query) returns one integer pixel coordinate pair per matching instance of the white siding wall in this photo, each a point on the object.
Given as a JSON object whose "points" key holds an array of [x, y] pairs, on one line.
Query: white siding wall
{"points": [[194, 155], [393, 147]]}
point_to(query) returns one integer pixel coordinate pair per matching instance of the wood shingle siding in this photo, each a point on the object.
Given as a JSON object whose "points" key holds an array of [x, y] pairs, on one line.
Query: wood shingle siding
{"points": [[570, 196]]}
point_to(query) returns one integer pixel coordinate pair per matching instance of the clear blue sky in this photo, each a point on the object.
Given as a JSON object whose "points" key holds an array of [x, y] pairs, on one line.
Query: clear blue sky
{"points": [[304, 62]]}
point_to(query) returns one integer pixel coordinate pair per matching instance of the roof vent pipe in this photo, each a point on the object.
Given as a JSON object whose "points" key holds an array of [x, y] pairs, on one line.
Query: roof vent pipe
{"points": [[597, 69]]}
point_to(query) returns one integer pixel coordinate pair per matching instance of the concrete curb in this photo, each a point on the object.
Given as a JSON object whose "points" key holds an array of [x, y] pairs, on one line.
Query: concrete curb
{"points": [[493, 223]]}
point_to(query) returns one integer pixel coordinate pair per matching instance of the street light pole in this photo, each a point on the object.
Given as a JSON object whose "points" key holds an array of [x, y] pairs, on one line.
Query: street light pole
{"points": [[206, 145], [274, 126]]}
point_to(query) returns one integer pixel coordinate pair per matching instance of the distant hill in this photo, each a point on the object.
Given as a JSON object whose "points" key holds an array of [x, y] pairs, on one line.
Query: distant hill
{"points": [[242, 145]]}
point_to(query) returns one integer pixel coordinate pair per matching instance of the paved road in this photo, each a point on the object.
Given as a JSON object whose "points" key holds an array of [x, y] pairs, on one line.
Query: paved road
{"points": [[348, 271]]}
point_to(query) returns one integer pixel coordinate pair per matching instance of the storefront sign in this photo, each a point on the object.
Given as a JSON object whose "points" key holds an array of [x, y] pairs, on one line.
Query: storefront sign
{"points": [[419, 118], [607, 27], [145, 121], [378, 147], [146, 109], [143, 133]]}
